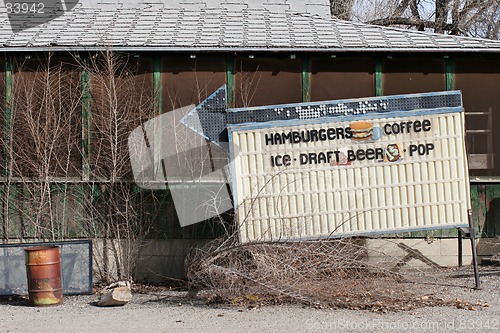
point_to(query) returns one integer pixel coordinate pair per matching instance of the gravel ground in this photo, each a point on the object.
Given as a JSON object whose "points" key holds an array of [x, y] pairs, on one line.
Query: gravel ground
{"points": [[170, 311]]}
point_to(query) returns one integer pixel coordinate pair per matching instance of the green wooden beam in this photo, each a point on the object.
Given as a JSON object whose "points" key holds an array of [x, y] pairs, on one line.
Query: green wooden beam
{"points": [[65, 231], [478, 208], [306, 79], [157, 110], [230, 80], [9, 102], [379, 88], [86, 123], [157, 87], [450, 73], [9, 97]]}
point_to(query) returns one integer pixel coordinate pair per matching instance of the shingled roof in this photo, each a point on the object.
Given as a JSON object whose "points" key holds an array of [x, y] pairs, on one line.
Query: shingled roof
{"points": [[158, 26]]}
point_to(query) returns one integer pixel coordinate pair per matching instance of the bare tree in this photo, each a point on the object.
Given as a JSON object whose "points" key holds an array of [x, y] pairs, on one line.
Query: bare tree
{"points": [[122, 100], [486, 23], [477, 18], [341, 9], [247, 85], [55, 187], [41, 147]]}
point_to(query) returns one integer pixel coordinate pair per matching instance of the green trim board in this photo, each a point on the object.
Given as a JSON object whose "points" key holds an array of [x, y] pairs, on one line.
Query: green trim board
{"points": [[306, 79], [157, 110], [230, 80], [379, 89], [9, 103], [86, 123], [450, 73], [6, 187], [157, 86]]}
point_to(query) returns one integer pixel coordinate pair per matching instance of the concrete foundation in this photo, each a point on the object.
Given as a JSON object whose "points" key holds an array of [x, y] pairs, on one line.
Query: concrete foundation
{"points": [[487, 247], [157, 261], [418, 252], [149, 261]]}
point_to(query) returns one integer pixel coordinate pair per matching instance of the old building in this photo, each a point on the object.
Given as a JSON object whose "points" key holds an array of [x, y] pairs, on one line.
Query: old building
{"points": [[61, 174]]}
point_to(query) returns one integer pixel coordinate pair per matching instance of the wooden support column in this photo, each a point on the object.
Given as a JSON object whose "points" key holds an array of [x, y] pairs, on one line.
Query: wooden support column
{"points": [[157, 88], [9, 100], [85, 191], [306, 80], [230, 80], [157, 110], [379, 88], [450, 73], [6, 185], [86, 123]]}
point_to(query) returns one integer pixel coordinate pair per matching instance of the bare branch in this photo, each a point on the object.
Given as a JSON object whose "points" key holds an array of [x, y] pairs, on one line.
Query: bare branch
{"points": [[478, 18], [341, 9], [410, 22]]}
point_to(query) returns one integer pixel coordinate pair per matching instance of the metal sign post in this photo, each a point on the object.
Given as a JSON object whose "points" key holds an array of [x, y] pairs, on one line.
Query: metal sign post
{"points": [[474, 252]]}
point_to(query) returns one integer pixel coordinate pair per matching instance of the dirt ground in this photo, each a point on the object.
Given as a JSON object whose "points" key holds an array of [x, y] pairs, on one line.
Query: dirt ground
{"points": [[165, 310]]}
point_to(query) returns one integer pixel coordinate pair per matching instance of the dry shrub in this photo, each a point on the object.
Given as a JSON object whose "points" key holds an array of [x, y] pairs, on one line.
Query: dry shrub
{"points": [[327, 273]]}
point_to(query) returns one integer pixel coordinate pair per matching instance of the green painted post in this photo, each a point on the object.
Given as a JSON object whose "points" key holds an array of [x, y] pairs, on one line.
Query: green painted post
{"points": [[9, 99], [230, 80], [65, 230], [478, 215], [157, 88], [450, 73], [306, 79], [86, 123], [157, 110], [379, 88], [9, 102]]}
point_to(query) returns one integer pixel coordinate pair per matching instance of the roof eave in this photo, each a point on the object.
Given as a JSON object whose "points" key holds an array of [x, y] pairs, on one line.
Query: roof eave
{"points": [[244, 49]]}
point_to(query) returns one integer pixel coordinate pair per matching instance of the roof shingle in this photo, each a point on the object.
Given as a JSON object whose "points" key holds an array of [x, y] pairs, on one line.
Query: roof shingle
{"points": [[156, 26]]}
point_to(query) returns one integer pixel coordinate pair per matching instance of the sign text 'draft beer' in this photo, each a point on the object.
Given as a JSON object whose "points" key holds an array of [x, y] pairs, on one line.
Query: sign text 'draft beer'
{"points": [[350, 175]]}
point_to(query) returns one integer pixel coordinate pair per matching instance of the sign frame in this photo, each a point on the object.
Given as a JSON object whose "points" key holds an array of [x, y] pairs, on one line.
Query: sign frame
{"points": [[235, 129]]}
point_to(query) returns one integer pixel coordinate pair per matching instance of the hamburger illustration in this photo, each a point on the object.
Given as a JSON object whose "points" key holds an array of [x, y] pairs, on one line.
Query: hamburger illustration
{"points": [[362, 130]]}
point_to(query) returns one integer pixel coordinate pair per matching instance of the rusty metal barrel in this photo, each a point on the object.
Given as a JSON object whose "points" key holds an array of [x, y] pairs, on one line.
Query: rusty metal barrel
{"points": [[43, 268]]}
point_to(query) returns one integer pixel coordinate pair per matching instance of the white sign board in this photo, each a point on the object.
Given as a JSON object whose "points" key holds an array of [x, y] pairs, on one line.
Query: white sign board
{"points": [[352, 175]]}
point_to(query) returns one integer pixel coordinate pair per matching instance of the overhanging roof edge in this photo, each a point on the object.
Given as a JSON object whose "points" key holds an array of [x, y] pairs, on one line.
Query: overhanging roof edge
{"points": [[242, 50]]}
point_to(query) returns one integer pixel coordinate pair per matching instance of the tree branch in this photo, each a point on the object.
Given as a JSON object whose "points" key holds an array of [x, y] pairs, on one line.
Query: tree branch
{"points": [[412, 22]]}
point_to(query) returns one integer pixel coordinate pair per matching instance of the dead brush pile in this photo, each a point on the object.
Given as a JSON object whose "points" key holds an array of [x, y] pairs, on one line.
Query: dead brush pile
{"points": [[333, 273]]}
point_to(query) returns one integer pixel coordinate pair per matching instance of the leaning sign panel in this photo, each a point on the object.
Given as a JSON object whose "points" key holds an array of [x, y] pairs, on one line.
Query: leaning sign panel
{"points": [[351, 173]]}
